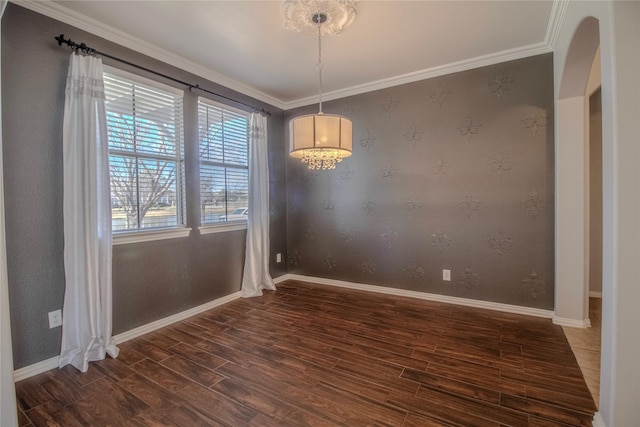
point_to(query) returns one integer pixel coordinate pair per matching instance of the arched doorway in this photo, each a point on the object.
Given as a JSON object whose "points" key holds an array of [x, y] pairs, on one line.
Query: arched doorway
{"points": [[572, 142], [577, 197], [618, 34]]}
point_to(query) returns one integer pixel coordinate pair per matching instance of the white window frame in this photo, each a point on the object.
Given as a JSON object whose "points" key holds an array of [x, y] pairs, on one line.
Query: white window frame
{"points": [[227, 225], [152, 234]]}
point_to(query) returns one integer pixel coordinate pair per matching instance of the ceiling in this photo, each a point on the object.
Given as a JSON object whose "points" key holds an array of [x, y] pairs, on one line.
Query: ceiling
{"points": [[243, 45]]}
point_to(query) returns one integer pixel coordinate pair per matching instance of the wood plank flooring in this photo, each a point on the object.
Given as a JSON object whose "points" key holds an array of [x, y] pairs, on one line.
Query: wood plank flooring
{"points": [[310, 355]]}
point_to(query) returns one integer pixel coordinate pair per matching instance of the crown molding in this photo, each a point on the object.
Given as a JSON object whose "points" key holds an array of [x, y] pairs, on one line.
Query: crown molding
{"points": [[454, 67], [60, 13], [68, 16], [558, 10], [556, 18]]}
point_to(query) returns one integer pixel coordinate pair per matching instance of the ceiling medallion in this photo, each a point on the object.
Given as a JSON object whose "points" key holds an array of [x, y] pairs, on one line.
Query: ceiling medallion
{"points": [[299, 15]]}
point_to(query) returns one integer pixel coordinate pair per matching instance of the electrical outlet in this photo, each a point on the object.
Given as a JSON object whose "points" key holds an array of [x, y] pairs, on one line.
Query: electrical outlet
{"points": [[446, 275], [278, 258], [55, 319]]}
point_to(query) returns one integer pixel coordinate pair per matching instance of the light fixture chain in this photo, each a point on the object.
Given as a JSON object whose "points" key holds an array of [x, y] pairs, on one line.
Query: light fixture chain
{"points": [[320, 64]]}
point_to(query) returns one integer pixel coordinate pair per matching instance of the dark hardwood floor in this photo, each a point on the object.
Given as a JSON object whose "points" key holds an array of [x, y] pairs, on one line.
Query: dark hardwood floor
{"points": [[321, 356]]}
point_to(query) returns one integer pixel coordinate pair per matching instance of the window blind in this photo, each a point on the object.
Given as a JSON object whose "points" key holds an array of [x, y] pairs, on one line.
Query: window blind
{"points": [[223, 150], [146, 154]]}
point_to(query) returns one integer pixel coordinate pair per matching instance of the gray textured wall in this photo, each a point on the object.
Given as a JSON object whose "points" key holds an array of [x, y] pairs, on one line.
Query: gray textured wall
{"points": [[454, 172], [150, 280]]}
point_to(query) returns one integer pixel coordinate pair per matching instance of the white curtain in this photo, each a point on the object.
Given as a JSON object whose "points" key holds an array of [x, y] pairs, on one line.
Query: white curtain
{"points": [[86, 319], [256, 275]]}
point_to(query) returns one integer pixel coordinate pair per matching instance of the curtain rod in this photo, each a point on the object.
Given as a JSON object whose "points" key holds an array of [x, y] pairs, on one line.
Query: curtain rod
{"points": [[90, 51]]}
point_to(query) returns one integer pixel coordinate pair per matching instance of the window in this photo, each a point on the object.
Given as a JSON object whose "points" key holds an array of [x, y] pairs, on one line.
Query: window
{"points": [[146, 157], [224, 166]]}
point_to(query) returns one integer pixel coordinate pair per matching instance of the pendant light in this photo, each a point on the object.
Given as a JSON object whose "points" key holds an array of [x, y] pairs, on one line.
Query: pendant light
{"points": [[321, 140]]}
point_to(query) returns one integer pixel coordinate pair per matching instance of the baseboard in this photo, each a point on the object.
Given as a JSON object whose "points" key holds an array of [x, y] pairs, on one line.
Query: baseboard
{"points": [[281, 279], [595, 294], [598, 421], [35, 369], [573, 323], [52, 363], [507, 308], [161, 323]]}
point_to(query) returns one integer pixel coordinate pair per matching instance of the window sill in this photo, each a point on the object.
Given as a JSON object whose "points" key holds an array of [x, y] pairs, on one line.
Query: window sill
{"points": [[221, 228], [149, 236]]}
